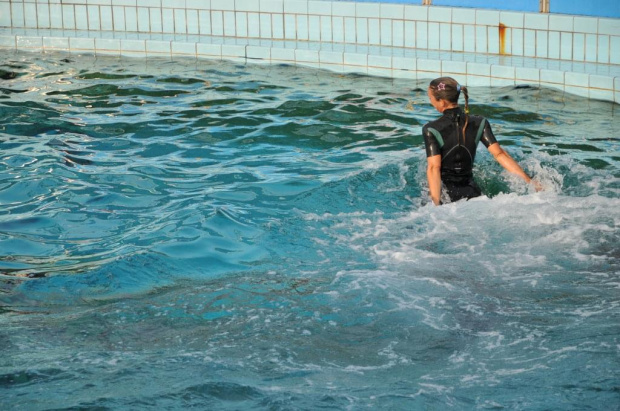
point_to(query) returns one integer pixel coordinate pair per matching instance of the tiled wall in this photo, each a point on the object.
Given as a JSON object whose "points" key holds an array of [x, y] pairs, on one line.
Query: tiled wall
{"points": [[380, 38]]}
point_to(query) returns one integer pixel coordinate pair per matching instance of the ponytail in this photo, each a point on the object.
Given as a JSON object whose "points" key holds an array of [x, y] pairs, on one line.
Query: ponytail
{"points": [[466, 95]]}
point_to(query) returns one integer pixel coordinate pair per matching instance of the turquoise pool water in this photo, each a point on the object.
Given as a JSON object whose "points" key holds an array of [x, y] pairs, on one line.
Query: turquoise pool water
{"points": [[226, 236]]}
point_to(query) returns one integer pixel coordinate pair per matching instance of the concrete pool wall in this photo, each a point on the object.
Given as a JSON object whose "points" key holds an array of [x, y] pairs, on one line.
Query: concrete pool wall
{"points": [[480, 47]]}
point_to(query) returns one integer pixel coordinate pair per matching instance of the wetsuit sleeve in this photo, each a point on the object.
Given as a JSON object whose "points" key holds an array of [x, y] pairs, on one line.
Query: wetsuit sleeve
{"points": [[430, 142], [487, 135]]}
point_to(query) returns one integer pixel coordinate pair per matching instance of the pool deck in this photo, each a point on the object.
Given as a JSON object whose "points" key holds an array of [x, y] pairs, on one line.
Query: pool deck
{"points": [[575, 54]]}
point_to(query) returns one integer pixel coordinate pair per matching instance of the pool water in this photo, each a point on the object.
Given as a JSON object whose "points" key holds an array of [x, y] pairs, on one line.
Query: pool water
{"points": [[216, 235]]}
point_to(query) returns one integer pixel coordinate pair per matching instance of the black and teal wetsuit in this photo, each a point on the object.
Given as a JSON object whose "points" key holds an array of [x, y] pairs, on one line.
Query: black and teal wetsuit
{"points": [[444, 136]]}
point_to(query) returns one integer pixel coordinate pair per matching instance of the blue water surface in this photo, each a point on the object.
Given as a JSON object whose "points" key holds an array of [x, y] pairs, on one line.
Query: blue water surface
{"points": [[214, 235]]}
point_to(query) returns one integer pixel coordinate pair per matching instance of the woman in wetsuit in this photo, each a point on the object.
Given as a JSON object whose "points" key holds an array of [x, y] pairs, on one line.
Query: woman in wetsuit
{"points": [[451, 143]]}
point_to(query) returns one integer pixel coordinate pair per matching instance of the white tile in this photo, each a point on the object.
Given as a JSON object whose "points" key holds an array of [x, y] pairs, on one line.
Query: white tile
{"points": [[609, 26], [193, 24], [133, 47], [277, 26], [386, 32], [405, 74], [453, 67], [379, 72], [158, 48], [614, 44], [106, 18], [337, 29], [421, 35], [282, 55], [418, 13], [140, 3], [307, 56], [586, 25], [356, 59], [271, 6], [566, 46], [204, 20], [81, 44], [258, 52], [479, 69], [380, 61], [56, 16], [217, 23], [222, 5], [68, 17], [428, 65], [441, 14], [303, 30], [321, 8], [62, 43], [600, 82], [265, 26], [180, 21], [481, 39], [404, 63], [374, 32], [144, 17], [469, 33], [343, 9], [290, 27], [16, 15], [529, 43], [579, 47], [599, 94], [464, 16], [131, 19], [30, 14], [493, 40], [410, 34], [209, 50], [253, 25], [507, 44], [30, 43], [199, 4], [361, 29], [43, 15], [398, 33], [487, 17], [553, 76], [503, 72], [542, 42], [183, 48], [457, 38], [433, 35], [603, 49], [527, 74], [445, 36], [94, 18], [314, 28], [478, 81], [578, 91], [331, 57], [81, 17], [118, 17], [392, 11], [559, 22], [233, 50], [172, 4], [591, 47], [350, 36], [536, 21], [326, 28], [156, 23], [294, 6], [107, 46], [512, 19], [7, 41], [367, 10], [246, 5], [502, 82]]}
